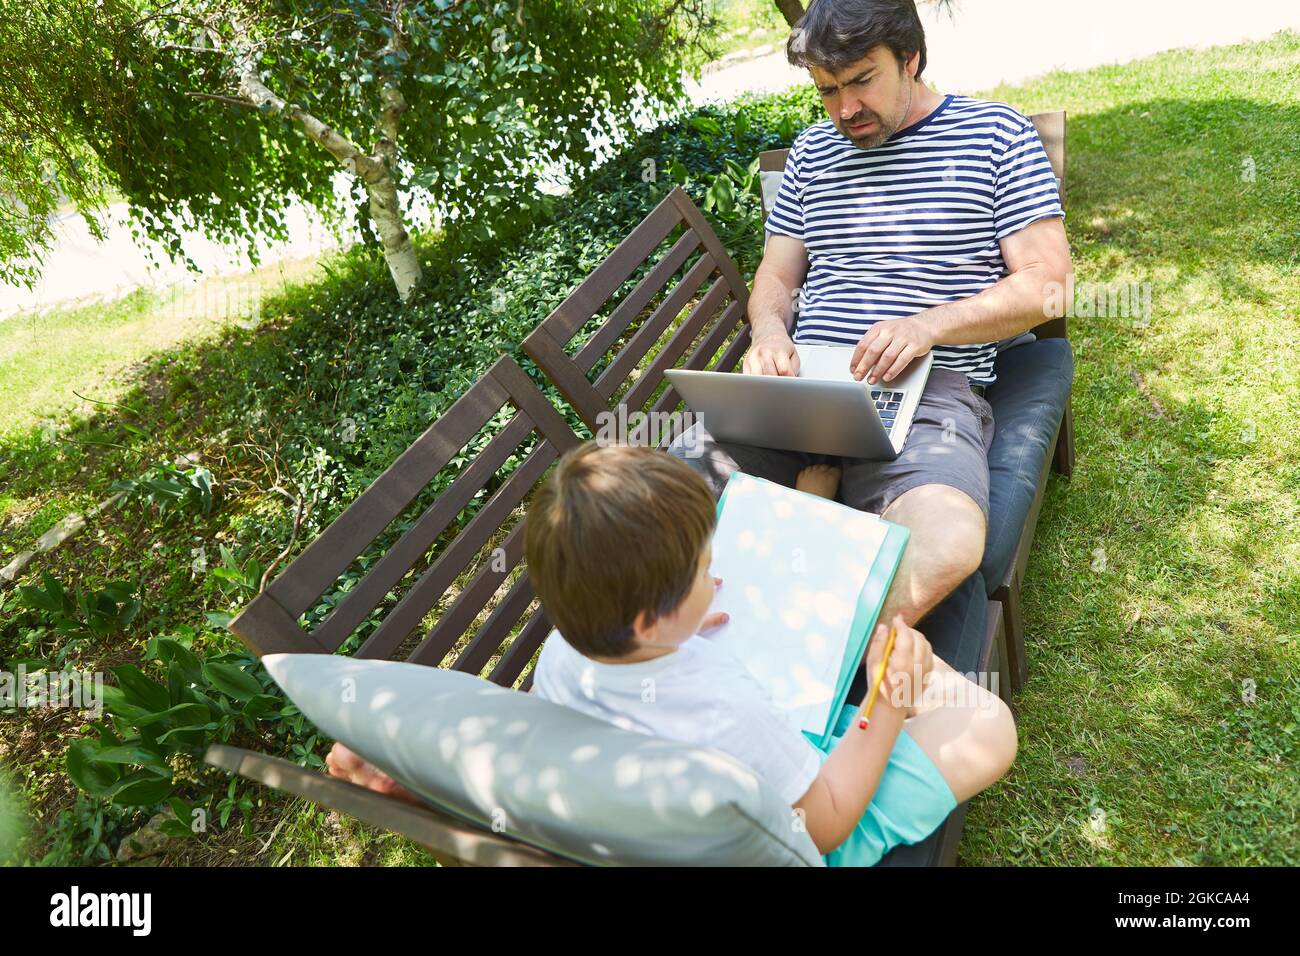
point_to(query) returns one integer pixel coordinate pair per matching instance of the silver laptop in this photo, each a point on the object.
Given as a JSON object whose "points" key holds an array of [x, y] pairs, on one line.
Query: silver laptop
{"points": [[822, 411]]}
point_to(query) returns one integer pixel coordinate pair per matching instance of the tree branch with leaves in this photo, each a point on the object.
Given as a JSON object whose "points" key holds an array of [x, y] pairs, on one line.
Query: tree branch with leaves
{"points": [[221, 115]]}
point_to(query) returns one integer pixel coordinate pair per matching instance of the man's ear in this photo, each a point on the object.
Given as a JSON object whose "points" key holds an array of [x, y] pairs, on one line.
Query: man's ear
{"points": [[911, 63]]}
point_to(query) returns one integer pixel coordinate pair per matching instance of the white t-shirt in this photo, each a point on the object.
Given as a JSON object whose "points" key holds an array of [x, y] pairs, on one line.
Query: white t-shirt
{"points": [[699, 694]]}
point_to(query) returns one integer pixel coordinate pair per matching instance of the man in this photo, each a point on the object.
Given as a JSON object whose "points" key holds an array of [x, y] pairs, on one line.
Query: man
{"points": [[907, 222]]}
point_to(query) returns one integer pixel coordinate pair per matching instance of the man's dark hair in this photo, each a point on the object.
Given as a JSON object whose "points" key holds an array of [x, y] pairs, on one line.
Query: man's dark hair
{"points": [[836, 33]]}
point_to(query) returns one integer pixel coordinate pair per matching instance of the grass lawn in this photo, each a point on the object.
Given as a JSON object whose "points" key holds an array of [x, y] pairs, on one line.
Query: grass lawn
{"points": [[47, 358], [1165, 577], [1161, 721]]}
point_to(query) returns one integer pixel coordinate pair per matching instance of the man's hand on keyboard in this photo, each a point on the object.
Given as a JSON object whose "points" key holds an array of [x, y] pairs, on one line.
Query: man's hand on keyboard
{"points": [[887, 348]]}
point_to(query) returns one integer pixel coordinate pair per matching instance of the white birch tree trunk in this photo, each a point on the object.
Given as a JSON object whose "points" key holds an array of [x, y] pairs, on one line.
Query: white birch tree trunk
{"points": [[399, 251], [375, 169], [385, 208]]}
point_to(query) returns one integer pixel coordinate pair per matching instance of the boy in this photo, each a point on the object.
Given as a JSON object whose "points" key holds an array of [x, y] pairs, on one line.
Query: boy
{"points": [[618, 548]]}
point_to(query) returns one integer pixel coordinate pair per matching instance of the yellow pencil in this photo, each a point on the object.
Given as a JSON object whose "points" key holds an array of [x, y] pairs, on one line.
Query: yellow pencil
{"points": [[880, 676]]}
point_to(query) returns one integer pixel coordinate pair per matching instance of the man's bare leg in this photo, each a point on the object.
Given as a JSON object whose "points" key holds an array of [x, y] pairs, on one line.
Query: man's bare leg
{"points": [[946, 546]]}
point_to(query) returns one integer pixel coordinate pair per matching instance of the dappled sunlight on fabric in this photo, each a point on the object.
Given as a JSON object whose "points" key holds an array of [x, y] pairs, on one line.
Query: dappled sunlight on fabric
{"points": [[801, 555], [536, 771], [939, 451]]}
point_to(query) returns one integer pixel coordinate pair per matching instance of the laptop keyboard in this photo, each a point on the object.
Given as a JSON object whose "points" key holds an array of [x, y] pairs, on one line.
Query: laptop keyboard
{"points": [[887, 405]]}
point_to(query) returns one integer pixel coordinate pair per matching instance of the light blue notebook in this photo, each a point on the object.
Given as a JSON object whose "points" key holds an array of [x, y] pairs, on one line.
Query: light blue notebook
{"points": [[803, 581]]}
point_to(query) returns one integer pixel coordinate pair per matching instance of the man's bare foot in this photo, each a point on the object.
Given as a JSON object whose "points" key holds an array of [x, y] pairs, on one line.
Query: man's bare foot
{"points": [[820, 480]]}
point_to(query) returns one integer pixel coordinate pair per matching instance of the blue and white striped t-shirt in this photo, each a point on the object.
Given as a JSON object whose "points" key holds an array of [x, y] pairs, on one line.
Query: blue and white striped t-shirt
{"points": [[913, 222]]}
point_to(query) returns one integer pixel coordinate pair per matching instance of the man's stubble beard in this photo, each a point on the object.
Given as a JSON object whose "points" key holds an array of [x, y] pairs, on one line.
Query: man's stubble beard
{"points": [[875, 139]]}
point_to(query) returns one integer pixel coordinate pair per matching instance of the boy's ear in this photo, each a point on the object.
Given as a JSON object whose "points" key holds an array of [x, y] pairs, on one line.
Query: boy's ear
{"points": [[643, 628]]}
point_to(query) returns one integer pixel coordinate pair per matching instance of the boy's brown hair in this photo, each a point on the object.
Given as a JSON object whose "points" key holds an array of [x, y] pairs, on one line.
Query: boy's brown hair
{"points": [[615, 531]]}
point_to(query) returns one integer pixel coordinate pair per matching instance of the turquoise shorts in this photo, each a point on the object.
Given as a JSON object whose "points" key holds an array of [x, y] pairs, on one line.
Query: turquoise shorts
{"points": [[910, 803]]}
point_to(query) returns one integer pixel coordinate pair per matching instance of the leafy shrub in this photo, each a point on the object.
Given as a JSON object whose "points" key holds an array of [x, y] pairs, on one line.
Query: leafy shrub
{"points": [[171, 489], [150, 746], [85, 833], [85, 614], [11, 825], [241, 577]]}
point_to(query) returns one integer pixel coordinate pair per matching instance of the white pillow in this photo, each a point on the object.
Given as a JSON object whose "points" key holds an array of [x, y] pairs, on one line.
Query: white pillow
{"points": [[542, 773], [771, 181]]}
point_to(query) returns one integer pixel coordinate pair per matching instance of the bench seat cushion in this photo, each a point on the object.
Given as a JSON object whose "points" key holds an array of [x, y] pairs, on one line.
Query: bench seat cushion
{"points": [[1028, 399], [542, 773]]}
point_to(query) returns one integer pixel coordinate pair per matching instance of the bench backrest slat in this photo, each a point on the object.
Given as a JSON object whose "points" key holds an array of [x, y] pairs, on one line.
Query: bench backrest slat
{"points": [[605, 337], [627, 359], [699, 358], [513, 455], [700, 314], [456, 559], [594, 291], [322, 561], [695, 276], [496, 628], [465, 607], [520, 652], [403, 555]]}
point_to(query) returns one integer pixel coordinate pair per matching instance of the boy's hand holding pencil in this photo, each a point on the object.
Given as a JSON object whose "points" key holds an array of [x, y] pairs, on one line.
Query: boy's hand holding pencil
{"points": [[907, 659]]}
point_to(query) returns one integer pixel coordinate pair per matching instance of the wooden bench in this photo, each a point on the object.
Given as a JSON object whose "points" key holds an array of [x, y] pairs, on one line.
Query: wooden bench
{"points": [[463, 550], [436, 577]]}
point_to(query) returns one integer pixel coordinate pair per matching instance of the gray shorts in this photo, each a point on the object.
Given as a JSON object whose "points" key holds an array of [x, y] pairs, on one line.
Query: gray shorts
{"points": [[947, 445]]}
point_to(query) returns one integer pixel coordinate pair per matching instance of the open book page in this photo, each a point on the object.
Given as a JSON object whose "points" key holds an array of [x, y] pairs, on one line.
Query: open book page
{"points": [[792, 566]]}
